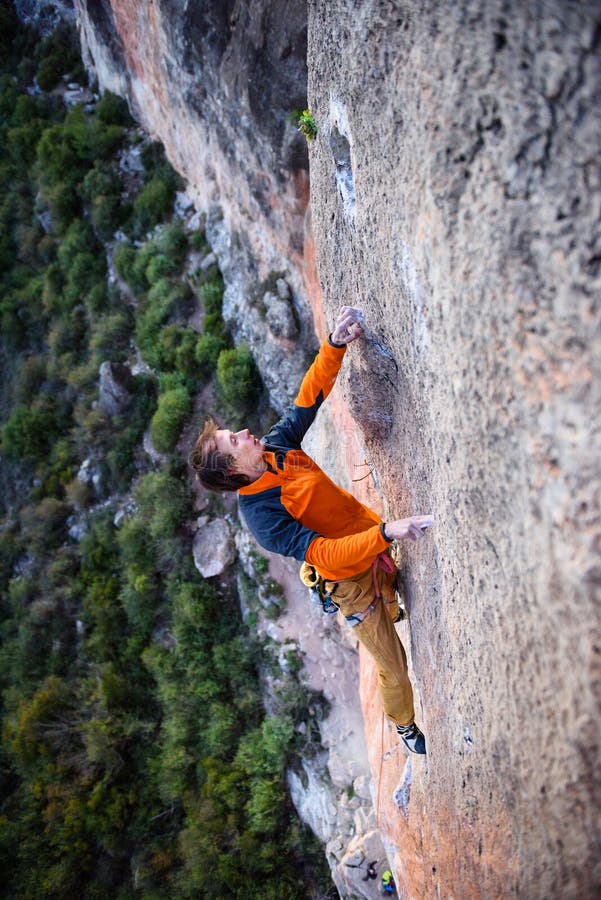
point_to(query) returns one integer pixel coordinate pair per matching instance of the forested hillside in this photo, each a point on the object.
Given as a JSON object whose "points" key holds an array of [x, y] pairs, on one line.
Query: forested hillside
{"points": [[137, 758]]}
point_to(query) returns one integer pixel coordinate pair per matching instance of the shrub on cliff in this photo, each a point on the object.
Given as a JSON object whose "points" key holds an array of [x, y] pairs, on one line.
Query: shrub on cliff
{"points": [[238, 378], [64, 205], [44, 523], [208, 348], [156, 259], [163, 504], [57, 55], [79, 238], [110, 335], [211, 297], [102, 190], [160, 266], [65, 152], [113, 110], [152, 205], [124, 259], [166, 299], [176, 348], [124, 440], [175, 406], [30, 429], [171, 241], [49, 72]]}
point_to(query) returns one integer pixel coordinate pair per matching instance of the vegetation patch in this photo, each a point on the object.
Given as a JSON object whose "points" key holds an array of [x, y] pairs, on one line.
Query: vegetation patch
{"points": [[136, 758]]}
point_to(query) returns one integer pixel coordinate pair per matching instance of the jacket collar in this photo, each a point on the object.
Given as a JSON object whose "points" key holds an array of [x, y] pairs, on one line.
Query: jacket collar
{"points": [[268, 479]]}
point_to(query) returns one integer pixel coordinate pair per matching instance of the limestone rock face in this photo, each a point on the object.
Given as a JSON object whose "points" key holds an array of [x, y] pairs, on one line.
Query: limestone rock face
{"points": [[455, 192], [213, 546]]}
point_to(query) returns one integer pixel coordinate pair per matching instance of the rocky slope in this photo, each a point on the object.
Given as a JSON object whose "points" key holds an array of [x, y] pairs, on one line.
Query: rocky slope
{"points": [[455, 192]]}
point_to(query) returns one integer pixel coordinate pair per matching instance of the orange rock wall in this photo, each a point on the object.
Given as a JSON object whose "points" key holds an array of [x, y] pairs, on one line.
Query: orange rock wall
{"points": [[455, 195]]}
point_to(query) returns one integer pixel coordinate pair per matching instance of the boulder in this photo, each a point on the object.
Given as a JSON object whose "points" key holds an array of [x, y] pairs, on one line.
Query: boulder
{"points": [[213, 547], [113, 394], [88, 474]]}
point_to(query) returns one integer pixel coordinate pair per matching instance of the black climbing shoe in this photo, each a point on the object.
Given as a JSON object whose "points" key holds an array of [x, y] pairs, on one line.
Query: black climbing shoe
{"points": [[412, 738]]}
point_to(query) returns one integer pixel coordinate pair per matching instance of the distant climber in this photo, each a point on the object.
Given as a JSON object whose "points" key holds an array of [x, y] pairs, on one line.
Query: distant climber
{"points": [[293, 508], [388, 885], [372, 872]]}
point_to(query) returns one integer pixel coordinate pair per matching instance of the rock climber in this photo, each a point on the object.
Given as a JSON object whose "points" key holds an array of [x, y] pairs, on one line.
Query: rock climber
{"points": [[371, 872], [293, 508], [388, 885]]}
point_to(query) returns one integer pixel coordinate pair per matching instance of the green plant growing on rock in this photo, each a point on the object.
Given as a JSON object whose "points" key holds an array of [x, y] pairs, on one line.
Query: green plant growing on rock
{"points": [[238, 376], [174, 408], [306, 124], [113, 110], [206, 353]]}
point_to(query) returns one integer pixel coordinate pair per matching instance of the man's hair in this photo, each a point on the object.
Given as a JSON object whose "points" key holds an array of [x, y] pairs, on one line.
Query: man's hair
{"points": [[213, 469]]}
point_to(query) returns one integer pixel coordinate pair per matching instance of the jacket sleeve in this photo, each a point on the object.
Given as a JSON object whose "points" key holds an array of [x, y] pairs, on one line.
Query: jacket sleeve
{"points": [[315, 387], [273, 526], [336, 558]]}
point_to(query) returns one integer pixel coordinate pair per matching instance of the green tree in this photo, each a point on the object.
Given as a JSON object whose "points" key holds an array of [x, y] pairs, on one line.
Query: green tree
{"points": [[113, 110], [174, 408], [29, 431], [153, 204], [239, 380]]}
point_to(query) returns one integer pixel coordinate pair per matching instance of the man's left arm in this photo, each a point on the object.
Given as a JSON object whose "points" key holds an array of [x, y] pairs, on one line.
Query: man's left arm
{"points": [[337, 558]]}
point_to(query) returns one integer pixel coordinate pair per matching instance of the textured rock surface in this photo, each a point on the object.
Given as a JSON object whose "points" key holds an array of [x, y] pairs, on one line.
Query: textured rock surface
{"points": [[455, 194], [45, 16], [113, 394]]}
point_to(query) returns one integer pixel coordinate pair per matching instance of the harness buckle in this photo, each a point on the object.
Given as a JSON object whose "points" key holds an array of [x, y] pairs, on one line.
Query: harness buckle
{"points": [[356, 618]]}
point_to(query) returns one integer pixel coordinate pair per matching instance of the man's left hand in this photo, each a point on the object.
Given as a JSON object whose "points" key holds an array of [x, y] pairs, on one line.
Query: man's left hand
{"points": [[349, 325]]}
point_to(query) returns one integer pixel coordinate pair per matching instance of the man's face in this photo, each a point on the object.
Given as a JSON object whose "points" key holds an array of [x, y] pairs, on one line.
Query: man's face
{"points": [[243, 446]]}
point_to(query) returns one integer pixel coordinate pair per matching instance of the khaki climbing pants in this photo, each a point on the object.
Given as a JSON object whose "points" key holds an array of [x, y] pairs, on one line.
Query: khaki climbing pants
{"points": [[378, 635]]}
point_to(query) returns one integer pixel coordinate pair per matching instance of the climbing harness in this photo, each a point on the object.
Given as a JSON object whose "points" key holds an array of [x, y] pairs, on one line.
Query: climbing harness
{"points": [[356, 618], [382, 561], [321, 591]]}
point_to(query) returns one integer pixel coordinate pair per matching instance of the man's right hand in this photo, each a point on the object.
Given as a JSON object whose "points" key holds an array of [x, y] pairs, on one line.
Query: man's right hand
{"points": [[411, 529], [349, 325]]}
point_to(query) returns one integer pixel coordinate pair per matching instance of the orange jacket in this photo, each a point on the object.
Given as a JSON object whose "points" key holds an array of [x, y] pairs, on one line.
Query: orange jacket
{"points": [[294, 508]]}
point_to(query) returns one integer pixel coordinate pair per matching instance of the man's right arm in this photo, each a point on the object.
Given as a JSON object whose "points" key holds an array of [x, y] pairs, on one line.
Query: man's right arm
{"points": [[316, 385], [318, 381]]}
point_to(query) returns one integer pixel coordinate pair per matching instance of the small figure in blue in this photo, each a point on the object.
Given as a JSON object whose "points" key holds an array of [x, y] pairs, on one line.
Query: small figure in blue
{"points": [[388, 885]]}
